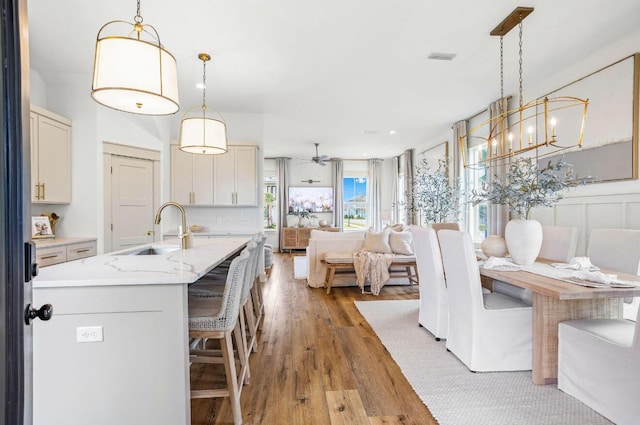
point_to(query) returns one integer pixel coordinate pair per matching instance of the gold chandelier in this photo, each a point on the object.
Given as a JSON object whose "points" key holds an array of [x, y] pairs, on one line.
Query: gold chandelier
{"points": [[132, 72], [528, 117], [200, 131]]}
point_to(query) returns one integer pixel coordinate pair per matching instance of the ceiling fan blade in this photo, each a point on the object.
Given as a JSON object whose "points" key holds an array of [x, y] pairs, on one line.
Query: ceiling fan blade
{"points": [[321, 163], [323, 157]]}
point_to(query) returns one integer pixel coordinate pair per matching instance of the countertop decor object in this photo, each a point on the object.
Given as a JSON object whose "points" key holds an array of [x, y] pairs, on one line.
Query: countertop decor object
{"points": [[494, 246], [527, 184]]}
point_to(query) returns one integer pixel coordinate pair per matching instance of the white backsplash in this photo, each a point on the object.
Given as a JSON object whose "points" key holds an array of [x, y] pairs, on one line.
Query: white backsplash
{"points": [[219, 219]]}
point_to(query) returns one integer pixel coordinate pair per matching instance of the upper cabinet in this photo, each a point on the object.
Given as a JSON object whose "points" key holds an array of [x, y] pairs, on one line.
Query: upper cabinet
{"points": [[235, 177], [215, 180], [50, 157], [191, 178]]}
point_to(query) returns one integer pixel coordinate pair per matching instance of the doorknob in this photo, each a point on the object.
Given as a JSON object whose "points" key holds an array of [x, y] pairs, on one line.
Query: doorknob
{"points": [[43, 313], [149, 232]]}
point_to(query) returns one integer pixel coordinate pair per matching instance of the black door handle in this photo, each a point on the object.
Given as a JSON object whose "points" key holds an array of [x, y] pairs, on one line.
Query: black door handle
{"points": [[43, 313]]}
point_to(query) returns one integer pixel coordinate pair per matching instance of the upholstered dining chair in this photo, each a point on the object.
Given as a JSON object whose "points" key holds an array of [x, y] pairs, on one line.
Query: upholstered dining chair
{"points": [[558, 244], [487, 332], [434, 309], [449, 226], [617, 250], [599, 364]]}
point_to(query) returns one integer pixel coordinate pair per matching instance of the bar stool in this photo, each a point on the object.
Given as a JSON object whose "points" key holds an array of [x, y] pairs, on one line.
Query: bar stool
{"points": [[217, 318]]}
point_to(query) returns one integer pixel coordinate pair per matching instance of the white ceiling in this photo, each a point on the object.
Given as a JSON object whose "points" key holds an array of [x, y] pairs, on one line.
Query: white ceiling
{"points": [[331, 71]]}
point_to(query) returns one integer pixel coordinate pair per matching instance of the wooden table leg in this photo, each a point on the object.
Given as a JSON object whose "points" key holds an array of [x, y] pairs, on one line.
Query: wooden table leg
{"points": [[547, 313], [331, 271]]}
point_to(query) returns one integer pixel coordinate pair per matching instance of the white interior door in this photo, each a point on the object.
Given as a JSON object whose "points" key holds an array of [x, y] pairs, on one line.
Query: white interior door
{"points": [[132, 202]]}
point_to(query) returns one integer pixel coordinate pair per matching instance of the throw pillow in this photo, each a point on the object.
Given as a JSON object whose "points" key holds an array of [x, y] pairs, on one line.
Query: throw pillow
{"points": [[399, 227], [400, 242], [377, 241]]}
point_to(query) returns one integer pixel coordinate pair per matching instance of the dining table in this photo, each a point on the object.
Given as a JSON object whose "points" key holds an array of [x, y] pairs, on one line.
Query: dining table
{"points": [[557, 299]]}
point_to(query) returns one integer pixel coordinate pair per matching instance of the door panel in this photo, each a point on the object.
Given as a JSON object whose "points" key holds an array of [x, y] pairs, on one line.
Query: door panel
{"points": [[132, 202]]}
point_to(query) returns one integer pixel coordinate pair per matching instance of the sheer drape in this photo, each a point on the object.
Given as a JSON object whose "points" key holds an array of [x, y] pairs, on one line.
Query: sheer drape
{"points": [[283, 201], [459, 130], [374, 193], [497, 215], [395, 212], [407, 159], [338, 198]]}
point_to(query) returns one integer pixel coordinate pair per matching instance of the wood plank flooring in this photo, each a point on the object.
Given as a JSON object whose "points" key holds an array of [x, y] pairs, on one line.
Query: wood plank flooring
{"points": [[318, 362]]}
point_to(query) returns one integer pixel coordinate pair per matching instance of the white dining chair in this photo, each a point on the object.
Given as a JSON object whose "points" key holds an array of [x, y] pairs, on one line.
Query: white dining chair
{"points": [[617, 250], [487, 332], [434, 309], [558, 244], [599, 364]]}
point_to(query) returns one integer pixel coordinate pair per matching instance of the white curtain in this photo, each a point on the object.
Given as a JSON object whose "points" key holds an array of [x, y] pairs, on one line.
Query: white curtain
{"points": [[498, 215], [407, 159], [374, 193], [338, 194], [283, 195], [395, 211], [459, 130]]}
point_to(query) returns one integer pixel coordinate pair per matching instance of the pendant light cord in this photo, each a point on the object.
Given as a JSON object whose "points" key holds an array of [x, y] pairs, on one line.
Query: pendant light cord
{"points": [[204, 84], [520, 54], [138, 17]]}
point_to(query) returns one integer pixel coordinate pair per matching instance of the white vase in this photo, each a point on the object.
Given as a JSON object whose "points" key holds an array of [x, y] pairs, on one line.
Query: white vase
{"points": [[293, 221], [494, 246], [524, 239]]}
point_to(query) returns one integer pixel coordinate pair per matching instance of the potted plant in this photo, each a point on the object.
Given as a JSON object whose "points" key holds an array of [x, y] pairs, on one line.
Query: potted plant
{"points": [[524, 187], [433, 194]]}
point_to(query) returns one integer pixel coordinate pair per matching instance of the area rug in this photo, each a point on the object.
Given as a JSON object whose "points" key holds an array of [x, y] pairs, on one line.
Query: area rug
{"points": [[456, 396]]}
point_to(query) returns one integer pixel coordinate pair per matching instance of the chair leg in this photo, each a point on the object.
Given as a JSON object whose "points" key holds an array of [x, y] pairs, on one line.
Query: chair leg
{"points": [[252, 325], [232, 383], [240, 332]]}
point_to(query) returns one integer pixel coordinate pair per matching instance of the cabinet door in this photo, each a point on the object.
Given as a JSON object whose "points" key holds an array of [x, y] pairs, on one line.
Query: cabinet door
{"points": [[54, 160], [246, 176], [202, 179], [181, 176], [35, 183], [224, 178]]}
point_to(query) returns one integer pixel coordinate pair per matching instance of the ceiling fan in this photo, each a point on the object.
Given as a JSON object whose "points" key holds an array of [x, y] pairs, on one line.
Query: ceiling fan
{"points": [[319, 159]]}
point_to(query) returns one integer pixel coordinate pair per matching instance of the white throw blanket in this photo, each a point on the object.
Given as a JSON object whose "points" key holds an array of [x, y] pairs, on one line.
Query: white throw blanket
{"points": [[374, 266]]}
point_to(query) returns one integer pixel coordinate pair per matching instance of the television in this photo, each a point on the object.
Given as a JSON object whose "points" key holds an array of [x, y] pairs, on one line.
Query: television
{"points": [[312, 199]]}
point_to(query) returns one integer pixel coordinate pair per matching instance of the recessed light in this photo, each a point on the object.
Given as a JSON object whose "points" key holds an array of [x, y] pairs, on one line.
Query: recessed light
{"points": [[392, 132], [442, 56], [200, 86]]}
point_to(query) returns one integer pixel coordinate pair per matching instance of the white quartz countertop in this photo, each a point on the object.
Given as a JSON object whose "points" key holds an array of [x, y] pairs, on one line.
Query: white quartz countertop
{"points": [[179, 266]]}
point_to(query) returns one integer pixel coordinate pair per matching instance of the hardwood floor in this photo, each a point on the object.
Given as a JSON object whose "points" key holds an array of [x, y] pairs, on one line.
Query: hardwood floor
{"points": [[318, 362]]}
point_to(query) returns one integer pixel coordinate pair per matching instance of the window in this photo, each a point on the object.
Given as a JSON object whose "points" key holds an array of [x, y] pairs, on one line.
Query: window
{"points": [[270, 203], [476, 176], [355, 202]]}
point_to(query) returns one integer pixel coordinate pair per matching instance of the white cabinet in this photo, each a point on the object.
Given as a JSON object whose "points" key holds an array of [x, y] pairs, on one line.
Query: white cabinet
{"points": [[235, 177], [191, 178], [50, 157]]}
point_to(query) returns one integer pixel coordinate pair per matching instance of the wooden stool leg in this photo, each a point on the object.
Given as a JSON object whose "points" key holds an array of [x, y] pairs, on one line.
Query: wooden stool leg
{"points": [[232, 383]]}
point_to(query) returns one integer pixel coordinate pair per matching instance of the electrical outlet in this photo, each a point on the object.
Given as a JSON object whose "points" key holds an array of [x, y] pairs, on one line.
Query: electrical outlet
{"points": [[89, 334]]}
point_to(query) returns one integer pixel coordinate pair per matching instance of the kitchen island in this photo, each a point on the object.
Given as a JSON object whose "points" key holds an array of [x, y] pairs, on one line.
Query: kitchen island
{"points": [[116, 349]]}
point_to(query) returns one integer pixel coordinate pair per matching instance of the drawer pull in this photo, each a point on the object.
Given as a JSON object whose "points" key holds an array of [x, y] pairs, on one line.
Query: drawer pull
{"points": [[83, 250], [46, 257]]}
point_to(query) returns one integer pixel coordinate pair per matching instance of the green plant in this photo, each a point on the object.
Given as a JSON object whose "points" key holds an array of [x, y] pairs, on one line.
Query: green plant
{"points": [[433, 194], [525, 186], [269, 198]]}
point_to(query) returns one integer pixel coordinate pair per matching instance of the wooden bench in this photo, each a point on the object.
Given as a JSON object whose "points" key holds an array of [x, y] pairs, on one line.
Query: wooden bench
{"points": [[407, 263]]}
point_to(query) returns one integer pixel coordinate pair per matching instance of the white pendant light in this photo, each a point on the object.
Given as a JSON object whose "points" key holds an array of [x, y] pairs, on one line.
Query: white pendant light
{"points": [[201, 132], [132, 72]]}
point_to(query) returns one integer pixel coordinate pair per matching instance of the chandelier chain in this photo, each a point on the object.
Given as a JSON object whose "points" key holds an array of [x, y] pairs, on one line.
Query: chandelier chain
{"points": [[138, 17], [204, 84], [501, 69], [520, 54]]}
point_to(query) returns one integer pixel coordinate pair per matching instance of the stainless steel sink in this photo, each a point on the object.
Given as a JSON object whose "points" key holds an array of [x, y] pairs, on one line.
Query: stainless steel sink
{"points": [[153, 250]]}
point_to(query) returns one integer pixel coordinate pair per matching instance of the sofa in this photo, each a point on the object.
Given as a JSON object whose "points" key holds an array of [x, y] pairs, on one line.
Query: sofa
{"points": [[344, 245]]}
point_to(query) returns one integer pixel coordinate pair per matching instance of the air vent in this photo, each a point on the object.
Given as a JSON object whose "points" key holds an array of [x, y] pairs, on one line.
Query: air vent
{"points": [[442, 56]]}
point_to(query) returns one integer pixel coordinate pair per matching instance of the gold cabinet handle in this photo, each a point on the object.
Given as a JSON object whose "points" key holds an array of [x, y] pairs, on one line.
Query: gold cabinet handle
{"points": [[44, 196], [46, 257], [37, 190], [149, 232], [82, 250]]}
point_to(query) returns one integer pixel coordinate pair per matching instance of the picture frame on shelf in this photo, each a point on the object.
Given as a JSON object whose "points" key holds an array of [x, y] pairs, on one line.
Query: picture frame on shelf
{"points": [[41, 228]]}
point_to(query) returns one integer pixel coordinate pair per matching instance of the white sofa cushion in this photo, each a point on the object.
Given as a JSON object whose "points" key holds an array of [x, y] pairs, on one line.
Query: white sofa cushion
{"points": [[377, 241], [400, 242]]}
